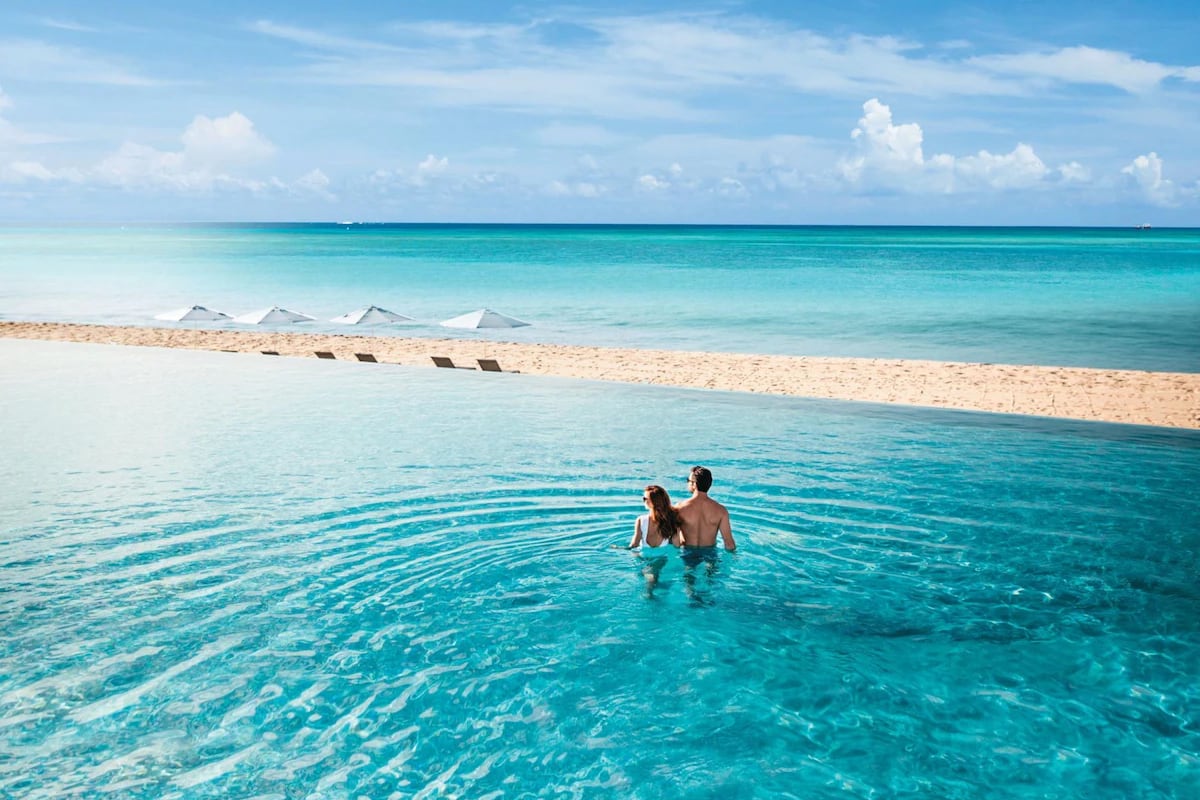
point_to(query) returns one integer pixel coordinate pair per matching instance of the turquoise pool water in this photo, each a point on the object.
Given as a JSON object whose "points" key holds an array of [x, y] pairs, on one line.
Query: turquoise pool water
{"points": [[223, 575]]}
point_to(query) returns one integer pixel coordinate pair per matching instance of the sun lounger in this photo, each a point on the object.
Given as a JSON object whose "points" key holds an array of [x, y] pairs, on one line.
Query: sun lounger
{"points": [[492, 365], [325, 354], [442, 361], [366, 357], [269, 353]]}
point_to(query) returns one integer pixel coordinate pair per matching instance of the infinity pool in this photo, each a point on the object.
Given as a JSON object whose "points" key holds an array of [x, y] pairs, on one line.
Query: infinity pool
{"points": [[226, 575]]}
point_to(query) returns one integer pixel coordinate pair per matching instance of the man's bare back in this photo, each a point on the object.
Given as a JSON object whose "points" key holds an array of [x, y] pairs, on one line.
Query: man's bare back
{"points": [[701, 518]]}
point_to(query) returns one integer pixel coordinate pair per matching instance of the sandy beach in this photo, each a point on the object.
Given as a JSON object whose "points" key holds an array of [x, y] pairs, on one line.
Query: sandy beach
{"points": [[1167, 399]]}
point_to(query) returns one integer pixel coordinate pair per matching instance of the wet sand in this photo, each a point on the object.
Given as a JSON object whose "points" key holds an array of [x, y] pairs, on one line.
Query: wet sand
{"points": [[1168, 399]]}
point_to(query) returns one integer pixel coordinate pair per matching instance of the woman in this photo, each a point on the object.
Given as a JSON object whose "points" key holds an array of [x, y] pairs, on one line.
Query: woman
{"points": [[658, 528]]}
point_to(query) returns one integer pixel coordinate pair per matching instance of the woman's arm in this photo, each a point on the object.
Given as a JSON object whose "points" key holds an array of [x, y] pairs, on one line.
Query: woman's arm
{"points": [[636, 541]]}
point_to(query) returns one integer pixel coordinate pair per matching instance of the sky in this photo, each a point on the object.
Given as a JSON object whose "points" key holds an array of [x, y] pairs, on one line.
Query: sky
{"points": [[851, 112]]}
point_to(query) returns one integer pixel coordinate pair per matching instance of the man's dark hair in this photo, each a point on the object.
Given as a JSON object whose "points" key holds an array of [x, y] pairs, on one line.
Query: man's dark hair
{"points": [[702, 478]]}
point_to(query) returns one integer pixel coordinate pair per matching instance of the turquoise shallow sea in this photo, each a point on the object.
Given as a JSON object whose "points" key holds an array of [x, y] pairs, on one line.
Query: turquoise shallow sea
{"points": [[1077, 297], [225, 575]]}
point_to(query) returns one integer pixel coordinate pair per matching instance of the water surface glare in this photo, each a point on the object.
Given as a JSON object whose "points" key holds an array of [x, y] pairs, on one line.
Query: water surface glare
{"points": [[223, 575]]}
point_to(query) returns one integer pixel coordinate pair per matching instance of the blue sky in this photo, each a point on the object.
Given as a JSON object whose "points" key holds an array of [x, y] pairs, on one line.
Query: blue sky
{"points": [[1061, 113]]}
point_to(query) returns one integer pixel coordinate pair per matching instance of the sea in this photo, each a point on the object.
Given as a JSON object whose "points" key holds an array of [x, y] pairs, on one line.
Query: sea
{"points": [[229, 575], [1127, 299]]}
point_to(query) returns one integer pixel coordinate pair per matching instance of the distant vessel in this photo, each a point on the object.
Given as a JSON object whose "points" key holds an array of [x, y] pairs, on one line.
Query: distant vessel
{"points": [[1145, 226]]}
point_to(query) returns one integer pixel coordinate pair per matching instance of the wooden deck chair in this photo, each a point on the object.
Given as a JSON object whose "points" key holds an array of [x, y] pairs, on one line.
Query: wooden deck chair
{"points": [[492, 365], [366, 357], [270, 353], [442, 361], [325, 354]]}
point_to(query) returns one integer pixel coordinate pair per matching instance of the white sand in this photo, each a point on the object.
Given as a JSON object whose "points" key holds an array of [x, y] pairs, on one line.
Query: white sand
{"points": [[1167, 399]]}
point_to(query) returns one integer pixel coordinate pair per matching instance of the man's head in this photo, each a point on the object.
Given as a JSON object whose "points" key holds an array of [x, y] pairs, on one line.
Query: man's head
{"points": [[700, 479]]}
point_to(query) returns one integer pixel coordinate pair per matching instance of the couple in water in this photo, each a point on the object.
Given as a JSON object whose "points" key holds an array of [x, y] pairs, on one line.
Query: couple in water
{"points": [[692, 525]]}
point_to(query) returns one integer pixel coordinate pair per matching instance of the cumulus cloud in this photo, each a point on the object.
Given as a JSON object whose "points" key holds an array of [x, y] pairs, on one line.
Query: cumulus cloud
{"points": [[212, 149], [1019, 169], [731, 187], [224, 141], [883, 145], [436, 176], [215, 153], [432, 165], [891, 156], [314, 182], [1146, 173], [1074, 172], [651, 183]]}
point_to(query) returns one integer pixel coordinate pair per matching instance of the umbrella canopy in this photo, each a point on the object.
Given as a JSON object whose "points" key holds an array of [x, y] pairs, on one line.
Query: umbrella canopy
{"points": [[191, 314], [484, 318], [371, 315], [272, 314]]}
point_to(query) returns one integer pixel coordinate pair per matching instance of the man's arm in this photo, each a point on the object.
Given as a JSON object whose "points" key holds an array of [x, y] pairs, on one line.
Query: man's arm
{"points": [[726, 531]]}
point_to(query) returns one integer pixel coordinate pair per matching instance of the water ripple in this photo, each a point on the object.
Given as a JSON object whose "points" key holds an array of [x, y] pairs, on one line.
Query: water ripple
{"points": [[888, 627]]}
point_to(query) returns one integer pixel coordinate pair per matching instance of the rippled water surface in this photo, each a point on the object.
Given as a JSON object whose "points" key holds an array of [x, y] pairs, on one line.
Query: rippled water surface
{"points": [[224, 575]]}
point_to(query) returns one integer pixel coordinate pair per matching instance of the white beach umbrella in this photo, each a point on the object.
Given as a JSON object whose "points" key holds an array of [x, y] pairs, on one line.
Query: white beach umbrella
{"points": [[484, 318], [191, 314], [272, 314], [371, 315]]}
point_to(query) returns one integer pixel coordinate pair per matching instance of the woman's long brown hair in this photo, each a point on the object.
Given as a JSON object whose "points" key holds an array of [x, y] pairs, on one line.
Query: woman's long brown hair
{"points": [[662, 513]]}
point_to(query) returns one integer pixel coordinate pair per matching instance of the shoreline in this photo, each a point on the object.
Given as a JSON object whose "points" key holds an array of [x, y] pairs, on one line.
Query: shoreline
{"points": [[1163, 399]]}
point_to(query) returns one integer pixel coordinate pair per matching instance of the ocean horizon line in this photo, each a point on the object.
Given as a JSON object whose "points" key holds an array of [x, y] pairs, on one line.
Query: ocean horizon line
{"points": [[1142, 227]]}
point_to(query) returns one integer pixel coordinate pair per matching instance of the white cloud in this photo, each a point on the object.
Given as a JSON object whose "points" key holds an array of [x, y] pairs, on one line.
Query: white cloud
{"points": [[315, 39], [653, 67], [1146, 172], [1074, 172], [1019, 169], [212, 149], [216, 153], [731, 187], [68, 25], [224, 141], [315, 182], [651, 183], [891, 156], [1088, 65], [428, 170], [31, 60], [432, 165], [886, 143], [34, 171]]}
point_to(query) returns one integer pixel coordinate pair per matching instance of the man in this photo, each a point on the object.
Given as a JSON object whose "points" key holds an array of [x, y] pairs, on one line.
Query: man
{"points": [[700, 517]]}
